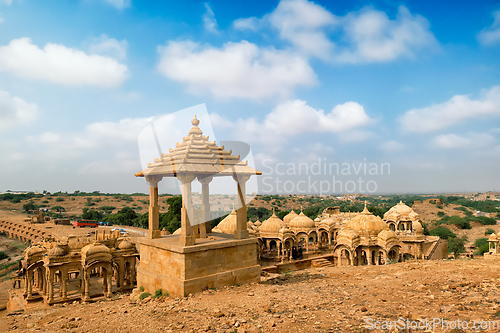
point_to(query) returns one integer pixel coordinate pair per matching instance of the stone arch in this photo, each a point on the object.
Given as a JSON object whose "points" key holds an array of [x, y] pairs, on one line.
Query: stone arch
{"points": [[88, 280]]}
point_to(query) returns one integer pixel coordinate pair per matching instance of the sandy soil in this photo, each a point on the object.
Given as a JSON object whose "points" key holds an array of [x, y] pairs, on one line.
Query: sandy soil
{"points": [[314, 300]]}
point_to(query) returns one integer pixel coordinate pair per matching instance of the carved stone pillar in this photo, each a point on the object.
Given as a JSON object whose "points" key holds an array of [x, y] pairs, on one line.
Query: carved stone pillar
{"points": [[64, 285], [29, 284], [187, 237], [205, 226], [109, 274], [86, 296], [50, 285], [154, 211], [241, 214]]}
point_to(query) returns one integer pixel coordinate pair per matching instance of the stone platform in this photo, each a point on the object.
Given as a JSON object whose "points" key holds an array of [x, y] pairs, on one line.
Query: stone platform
{"points": [[216, 261]]}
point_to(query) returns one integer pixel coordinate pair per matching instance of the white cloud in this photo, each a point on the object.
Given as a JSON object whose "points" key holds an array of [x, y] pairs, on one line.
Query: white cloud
{"points": [[209, 20], [471, 140], [294, 117], [245, 70], [60, 64], [301, 22], [367, 35], [50, 137], [106, 46], [99, 135], [235, 70], [15, 112], [373, 37], [119, 4], [250, 23], [391, 146], [457, 109], [6, 2], [491, 34]]}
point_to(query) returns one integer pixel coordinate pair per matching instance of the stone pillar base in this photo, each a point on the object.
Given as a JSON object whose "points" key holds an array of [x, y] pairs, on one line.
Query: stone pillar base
{"points": [[181, 270], [241, 234], [187, 240], [154, 234]]}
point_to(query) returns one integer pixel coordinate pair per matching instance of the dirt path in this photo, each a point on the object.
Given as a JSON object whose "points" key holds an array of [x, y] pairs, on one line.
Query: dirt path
{"points": [[314, 300]]}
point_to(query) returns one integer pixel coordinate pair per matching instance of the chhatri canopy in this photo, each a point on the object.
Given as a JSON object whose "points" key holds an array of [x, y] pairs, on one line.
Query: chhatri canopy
{"points": [[196, 155]]}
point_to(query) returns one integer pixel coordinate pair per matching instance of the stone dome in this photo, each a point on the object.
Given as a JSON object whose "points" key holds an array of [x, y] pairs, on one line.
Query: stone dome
{"points": [[178, 232], [228, 224], [125, 245], [34, 249], [257, 223], [328, 221], [302, 221], [349, 234], [272, 225], [56, 251], [387, 234], [401, 209], [492, 237], [289, 217], [417, 227], [95, 248], [366, 223]]}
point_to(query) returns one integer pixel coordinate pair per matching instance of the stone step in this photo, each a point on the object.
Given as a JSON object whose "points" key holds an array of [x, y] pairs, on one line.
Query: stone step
{"points": [[321, 262]]}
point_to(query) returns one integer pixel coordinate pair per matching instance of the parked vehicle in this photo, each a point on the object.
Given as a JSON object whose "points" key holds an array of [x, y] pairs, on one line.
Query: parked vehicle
{"points": [[86, 223]]}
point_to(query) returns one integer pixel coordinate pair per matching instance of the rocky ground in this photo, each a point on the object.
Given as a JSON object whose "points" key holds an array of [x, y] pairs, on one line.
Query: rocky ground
{"points": [[315, 300]]}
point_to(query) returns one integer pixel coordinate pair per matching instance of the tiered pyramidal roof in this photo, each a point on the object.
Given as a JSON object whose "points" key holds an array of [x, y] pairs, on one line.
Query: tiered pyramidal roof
{"points": [[196, 155]]}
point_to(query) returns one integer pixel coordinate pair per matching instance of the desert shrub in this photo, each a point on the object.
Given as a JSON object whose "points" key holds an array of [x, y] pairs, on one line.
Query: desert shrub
{"points": [[3, 255], [460, 222], [457, 244], [141, 289], [441, 214], [30, 206], [59, 199], [45, 201], [484, 220], [489, 231], [442, 232], [144, 295], [482, 246]]}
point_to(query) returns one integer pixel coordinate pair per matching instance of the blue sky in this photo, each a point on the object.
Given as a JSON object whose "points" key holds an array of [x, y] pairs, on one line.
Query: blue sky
{"points": [[412, 84]]}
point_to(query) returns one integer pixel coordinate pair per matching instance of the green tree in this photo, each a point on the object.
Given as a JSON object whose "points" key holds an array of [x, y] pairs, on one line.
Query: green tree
{"points": [[29, 206], [442, 232], [91, 214], [482, 245], [58, 209], [457, 244]]}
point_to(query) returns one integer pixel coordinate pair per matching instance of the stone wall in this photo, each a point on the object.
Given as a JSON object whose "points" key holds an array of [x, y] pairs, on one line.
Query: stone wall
{"points": [[183, 270]]}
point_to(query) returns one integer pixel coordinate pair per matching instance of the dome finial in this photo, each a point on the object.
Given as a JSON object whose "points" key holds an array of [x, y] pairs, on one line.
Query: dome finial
{"points": [[195, 121]]}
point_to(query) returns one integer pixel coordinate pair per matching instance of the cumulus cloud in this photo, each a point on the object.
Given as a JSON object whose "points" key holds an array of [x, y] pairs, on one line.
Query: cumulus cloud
{"points": [[294, 117], [209, 20], [15, 112], [301, 23], [491, 34], [367, 35], [373, 37], [471, 140], [456, 110], [236, 70], [6, 2], [106, 46], [118, 4], [60, 64]]}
